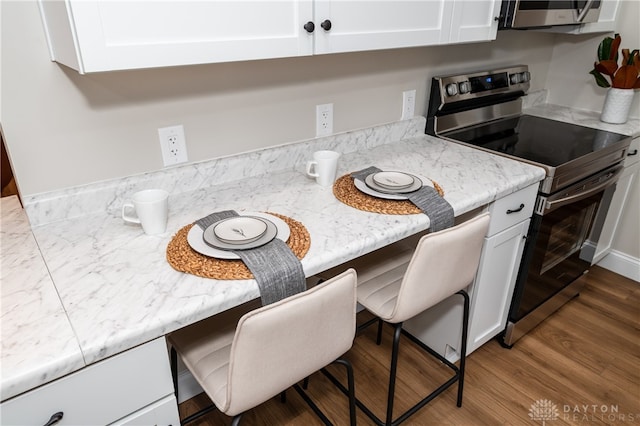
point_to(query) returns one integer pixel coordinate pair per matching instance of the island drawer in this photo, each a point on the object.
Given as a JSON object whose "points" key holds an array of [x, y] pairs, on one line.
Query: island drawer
{"points": [[512, 209], [100, 393]]}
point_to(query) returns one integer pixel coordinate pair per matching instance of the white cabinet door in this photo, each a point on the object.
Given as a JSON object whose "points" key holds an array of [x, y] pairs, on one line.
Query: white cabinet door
{"points": [[493, 287], [382, 24], [474, 20], [104, 35]]}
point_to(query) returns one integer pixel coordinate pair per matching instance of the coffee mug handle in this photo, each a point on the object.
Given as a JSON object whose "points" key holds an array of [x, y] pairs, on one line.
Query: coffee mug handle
{"points": [[126, 217], [312, 165]]}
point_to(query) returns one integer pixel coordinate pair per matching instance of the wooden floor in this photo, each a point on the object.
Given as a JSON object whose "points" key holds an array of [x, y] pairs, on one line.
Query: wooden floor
{"points": [[585, 360]]}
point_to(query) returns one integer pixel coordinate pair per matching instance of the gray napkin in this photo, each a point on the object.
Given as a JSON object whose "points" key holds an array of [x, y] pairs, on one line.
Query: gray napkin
{"points": [[277, 270], [426, 199]]}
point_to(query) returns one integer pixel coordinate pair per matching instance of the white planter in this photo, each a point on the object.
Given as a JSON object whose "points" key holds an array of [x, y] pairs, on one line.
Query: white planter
{"points": [[617, 104]]}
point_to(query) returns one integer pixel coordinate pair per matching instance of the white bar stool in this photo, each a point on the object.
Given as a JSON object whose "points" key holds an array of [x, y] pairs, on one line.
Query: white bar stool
{"points": [[241, 359], [443, 263]]}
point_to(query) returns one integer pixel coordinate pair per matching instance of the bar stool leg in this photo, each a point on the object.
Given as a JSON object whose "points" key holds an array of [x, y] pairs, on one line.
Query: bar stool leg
{"points": [[350, 389], [463, 345], [392, 373], [174, 371]]}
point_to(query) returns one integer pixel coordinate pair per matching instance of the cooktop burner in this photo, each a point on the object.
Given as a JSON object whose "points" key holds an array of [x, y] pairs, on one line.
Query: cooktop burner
{"points": [[539, 140]]}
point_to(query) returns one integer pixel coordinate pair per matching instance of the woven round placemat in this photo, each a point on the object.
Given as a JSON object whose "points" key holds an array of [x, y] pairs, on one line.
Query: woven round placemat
{"points": [[183, 258], [345, 190]]}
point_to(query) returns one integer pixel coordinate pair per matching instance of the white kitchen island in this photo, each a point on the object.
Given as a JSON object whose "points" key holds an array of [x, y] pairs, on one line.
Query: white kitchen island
{"points": [[119, 292]]}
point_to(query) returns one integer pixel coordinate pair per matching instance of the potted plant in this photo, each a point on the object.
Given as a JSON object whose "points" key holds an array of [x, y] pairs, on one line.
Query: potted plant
{"points": [[622, 79]]}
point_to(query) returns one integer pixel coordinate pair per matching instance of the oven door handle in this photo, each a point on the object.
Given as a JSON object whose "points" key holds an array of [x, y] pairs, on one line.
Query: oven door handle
{"points": [[611, 179]]}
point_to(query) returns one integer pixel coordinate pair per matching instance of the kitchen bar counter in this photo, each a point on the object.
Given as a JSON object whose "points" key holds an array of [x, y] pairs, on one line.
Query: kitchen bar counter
{"points": [[117, 288]]}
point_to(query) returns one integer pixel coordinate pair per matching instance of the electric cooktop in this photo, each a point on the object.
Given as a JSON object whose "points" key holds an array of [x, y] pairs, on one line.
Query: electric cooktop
{"points": [[539, 140]]}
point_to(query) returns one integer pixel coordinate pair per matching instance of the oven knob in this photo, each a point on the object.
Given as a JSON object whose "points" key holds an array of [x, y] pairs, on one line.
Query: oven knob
{"points": [[465, 87], [515, 78], [452, 89], [526, 76]]}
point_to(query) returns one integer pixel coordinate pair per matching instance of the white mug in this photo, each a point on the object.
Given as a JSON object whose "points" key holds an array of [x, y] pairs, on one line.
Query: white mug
{"points": [[323, 167], [151, 207]]}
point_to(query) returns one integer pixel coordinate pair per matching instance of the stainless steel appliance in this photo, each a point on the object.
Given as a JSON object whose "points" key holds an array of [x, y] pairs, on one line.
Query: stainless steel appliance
{"points": [[484, 110], [523, 14]]}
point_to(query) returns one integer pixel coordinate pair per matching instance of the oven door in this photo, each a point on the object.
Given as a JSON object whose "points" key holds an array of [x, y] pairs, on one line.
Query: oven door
{"points": [[562, 240]]}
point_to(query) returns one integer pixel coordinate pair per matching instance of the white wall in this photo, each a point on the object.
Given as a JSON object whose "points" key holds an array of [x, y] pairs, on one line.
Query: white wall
{"points": [[64, 129], [569, 81]]}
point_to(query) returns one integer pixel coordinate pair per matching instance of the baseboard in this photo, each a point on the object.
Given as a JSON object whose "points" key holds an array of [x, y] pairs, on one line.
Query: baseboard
{"points": [[188, 387], [621, 264]]}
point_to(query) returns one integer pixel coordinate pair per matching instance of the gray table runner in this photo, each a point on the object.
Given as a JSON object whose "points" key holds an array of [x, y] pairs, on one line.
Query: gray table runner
{"points": [[275, 267], [426, 199]]}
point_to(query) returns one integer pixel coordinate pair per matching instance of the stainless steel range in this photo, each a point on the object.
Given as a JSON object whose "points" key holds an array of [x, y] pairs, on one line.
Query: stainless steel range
{"points": [[484, 110]]}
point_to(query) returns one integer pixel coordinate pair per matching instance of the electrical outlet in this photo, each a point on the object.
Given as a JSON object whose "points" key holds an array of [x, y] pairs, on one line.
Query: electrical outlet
{"points": [[324, 120], [408, 104], [173, 145]]}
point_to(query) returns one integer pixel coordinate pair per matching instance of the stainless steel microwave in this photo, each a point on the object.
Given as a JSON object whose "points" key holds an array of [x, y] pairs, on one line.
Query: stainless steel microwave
{"points": [[522, 14]]}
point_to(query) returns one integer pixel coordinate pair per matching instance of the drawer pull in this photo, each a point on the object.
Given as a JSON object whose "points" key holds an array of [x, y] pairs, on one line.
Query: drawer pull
{"points": [[55, 419], [516, 210], [634, 152]]}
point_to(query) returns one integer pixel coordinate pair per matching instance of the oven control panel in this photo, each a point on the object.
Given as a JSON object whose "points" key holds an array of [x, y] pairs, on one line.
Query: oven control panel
{"points": [[454, 88]]}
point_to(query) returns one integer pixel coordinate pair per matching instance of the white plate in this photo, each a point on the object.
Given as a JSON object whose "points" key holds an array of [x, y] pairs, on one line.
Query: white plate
{"points": [[238, 230], [417, 184], [195, 240], [210, 238], [364, 188], [393, 180]]}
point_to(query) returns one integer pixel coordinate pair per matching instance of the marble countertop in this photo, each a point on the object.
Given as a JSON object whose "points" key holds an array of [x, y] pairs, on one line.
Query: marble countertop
{"points": [[118, 290], [32, 314], [584, 118]]}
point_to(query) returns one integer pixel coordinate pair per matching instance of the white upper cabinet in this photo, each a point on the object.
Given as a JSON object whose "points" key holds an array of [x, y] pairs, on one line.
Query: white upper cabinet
{"points": [[106, 35], [91, 36], [474, 20], [369, 25]]}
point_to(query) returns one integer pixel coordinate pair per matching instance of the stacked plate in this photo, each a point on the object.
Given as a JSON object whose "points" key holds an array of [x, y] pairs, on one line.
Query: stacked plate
{"points": [[390, 185], [246, 231]]}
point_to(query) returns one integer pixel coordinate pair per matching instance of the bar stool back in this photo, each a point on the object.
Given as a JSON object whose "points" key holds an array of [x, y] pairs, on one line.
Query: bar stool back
{"points": [[443, 264], [241, 359]]}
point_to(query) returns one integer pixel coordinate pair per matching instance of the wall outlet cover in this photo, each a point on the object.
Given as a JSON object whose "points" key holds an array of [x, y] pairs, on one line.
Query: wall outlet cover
{"points": [[324, 120], [173, 145], [408, 104]]}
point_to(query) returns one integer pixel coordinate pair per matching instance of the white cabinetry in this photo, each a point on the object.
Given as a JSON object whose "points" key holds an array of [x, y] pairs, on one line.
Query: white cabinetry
{"points": [[490, 294], [494, 284], [474, 20], [90, 35], [101, 35], [134, 387], [358, 25], [627, 183]]}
